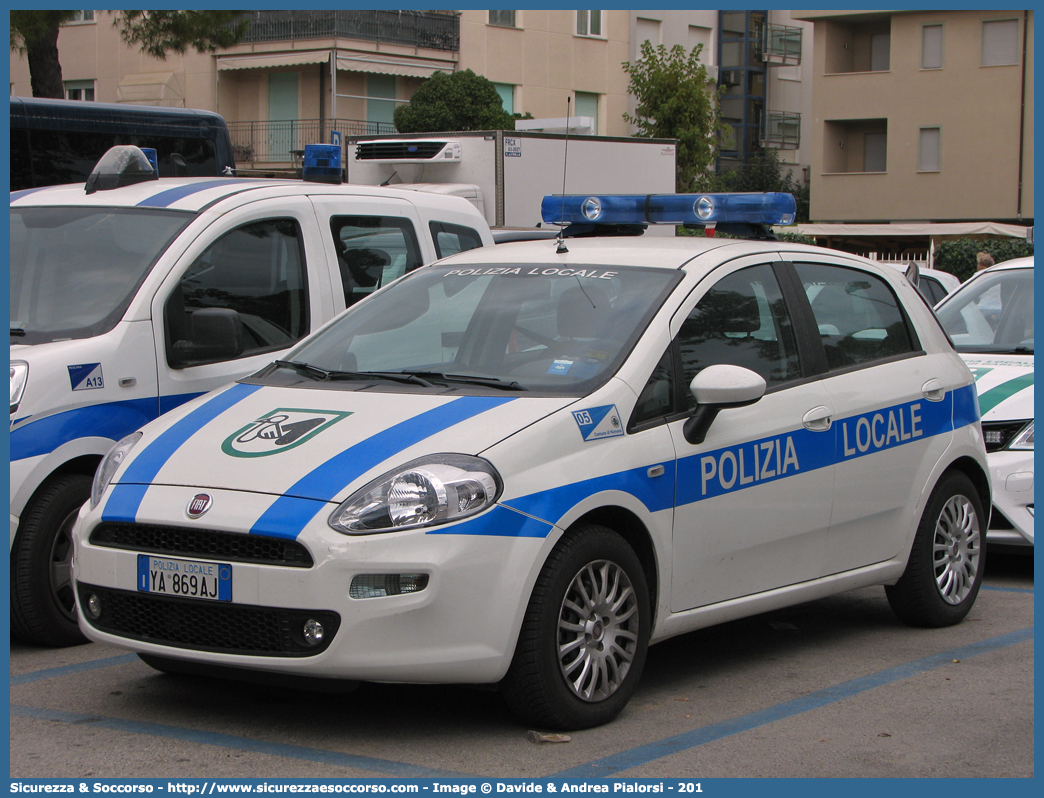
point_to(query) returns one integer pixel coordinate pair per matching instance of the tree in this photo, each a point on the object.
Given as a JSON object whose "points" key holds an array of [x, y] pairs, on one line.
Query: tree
{"points": [[35, 33], [763, 172], [675, 99], [458, 101], [958, 255]]}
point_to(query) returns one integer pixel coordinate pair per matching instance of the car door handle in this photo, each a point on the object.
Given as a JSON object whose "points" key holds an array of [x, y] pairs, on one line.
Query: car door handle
{"points": [[933, 391], [818, 419]]}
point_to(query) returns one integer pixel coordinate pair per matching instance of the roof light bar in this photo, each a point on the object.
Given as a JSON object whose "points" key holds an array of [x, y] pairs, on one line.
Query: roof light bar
{"points": [[322, 163], [752, 208], [123, 165]]}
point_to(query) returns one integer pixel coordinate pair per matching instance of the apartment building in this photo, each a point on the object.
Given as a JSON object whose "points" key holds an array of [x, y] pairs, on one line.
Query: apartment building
{"points": [[922, 116]]}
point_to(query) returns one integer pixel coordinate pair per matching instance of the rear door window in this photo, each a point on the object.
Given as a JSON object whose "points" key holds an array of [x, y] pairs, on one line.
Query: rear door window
{"points": [[372, 251]]}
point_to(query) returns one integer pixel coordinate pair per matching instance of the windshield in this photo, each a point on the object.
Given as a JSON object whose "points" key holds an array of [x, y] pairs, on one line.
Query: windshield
{"points": [[992, 314], [75, 270], [523, 328]]}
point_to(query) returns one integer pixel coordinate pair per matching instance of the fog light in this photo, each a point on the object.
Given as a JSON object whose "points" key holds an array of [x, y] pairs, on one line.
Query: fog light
{"points": [[377, 585], [94, 606], [313, 632]]}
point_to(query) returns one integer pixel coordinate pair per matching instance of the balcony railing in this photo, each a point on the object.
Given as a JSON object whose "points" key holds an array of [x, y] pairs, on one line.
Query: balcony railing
{"points": [[275, 142], [433, 30], [782, 45], [782, 130]]}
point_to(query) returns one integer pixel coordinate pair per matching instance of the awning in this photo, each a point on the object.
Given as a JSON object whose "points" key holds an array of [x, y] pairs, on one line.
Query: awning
{"points": [[152, 88], [383, 64], [266, 60], [919, 229]]}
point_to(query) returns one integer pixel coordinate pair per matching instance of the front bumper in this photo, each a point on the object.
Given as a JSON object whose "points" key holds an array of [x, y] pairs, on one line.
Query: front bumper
{"points": [[460, 629], [1011, 522]]}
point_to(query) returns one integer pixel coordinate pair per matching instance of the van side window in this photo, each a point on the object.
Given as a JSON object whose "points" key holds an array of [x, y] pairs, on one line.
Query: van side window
{"points": [[743, 321], [372, 251], [246, 294], [858, 315], [453, 238]]}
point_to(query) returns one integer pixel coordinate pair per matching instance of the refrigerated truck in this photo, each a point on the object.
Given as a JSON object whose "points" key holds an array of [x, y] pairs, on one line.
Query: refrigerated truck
{"points": [[506, 174]]}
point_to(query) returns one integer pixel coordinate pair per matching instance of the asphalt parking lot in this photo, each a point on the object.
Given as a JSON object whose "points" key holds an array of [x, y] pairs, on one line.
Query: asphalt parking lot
{"points": [[832, 688]]}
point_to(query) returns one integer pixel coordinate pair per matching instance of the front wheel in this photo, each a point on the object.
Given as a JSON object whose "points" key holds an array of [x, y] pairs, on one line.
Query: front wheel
{"points": [[947, 560], [585, 634], [43, 607]]}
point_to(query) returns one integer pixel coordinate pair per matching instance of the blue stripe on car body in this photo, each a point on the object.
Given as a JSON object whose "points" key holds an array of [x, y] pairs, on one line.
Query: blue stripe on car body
{"points": [[168, 197], [123, 503], [289, 514]]}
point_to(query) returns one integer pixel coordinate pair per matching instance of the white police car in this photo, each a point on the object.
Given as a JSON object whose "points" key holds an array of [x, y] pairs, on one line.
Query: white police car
{"points": [[138, 294], [494, 470], [990, 320]]}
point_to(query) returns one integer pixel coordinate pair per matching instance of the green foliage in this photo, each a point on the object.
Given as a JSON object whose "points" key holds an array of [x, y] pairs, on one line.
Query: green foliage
{"points": [[764, 172], [160, 32], [675, 100], [958, 256], [29, 26], [458, 101]]}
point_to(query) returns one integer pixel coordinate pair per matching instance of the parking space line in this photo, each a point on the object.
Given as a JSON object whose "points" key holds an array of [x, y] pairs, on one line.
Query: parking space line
{"points": [[384, 766], [68, 670], [1008, 589], [650, 752]]}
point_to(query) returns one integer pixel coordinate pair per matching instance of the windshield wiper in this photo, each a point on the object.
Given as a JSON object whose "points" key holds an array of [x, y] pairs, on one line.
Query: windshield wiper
{"points": [[317, 373], [17, 331], [467, 379]]}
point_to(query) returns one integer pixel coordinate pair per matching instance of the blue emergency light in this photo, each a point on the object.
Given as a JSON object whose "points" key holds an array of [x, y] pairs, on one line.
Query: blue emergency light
{"points": [[322, 163], [123, 165], [769, 208]]}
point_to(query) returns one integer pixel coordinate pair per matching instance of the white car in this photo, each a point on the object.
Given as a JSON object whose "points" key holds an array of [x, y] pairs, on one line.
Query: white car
{"points": [[131, 295], [522, 465], [990, 320]]}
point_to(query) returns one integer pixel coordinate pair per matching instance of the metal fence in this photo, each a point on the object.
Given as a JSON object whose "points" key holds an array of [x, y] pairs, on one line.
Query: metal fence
{"points": [[431, 29], [276, 142]]}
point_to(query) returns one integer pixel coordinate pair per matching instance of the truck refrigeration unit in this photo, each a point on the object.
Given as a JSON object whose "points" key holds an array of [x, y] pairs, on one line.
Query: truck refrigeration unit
{"points": [[506, 174]]}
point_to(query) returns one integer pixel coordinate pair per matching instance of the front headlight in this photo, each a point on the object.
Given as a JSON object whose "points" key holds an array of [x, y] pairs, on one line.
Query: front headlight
{"points": [[1024, 440], [432, 490], [117, 454], [19, 376]]}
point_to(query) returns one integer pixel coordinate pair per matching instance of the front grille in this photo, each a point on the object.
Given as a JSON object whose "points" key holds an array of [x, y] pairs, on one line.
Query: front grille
{"points": [[205, 543], [207, 626], [998, 434]]}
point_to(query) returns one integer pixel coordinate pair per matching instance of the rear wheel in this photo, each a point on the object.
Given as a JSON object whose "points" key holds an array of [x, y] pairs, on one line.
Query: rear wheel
{"points": [[943, 575], [584, 638], [43, 606]]}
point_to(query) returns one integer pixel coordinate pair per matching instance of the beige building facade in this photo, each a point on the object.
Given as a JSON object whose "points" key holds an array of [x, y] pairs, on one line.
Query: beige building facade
{"points": [[922, 116]]}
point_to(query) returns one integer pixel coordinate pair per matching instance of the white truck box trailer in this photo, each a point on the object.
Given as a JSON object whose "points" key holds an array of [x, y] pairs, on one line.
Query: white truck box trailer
{"points": [[506, 174]]}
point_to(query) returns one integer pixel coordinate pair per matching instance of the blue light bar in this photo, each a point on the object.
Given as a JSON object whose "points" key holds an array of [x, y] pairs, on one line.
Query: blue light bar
{"points": [[322, 163], [750, 208]]}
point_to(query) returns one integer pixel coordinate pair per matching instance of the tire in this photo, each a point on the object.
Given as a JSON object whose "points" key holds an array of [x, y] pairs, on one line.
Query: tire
{"points": [[590, 597], [947, 560], [43, 606]]}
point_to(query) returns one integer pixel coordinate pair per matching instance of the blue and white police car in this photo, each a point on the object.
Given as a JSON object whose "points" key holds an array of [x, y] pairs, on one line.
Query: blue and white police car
{"points": [[132, 294], [990, 320], [523, 465]]}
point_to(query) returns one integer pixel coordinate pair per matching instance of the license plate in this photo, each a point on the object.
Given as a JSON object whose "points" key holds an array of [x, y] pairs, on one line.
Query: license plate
{"points": [[186, 578]]}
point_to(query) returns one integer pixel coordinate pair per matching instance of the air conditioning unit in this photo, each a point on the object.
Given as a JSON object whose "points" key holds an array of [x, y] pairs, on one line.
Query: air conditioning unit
{"points": [[408, 151]]}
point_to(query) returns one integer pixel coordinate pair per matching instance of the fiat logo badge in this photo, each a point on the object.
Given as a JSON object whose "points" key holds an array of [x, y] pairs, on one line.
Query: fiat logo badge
{"points": [[200, 503]]}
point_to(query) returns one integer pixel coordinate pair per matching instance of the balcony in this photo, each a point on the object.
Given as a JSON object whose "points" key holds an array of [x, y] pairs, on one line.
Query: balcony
{"points": [[782, 130], [270, 143], [433, 30], [782, 45]]}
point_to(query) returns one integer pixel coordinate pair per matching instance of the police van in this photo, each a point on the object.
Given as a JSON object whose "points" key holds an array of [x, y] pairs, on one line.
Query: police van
{"points": [[522, 465], [990, 320], [131, 295]]}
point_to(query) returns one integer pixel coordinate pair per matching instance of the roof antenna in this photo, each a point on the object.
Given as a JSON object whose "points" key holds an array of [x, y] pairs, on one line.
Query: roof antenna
{"points": [[565, 163]]}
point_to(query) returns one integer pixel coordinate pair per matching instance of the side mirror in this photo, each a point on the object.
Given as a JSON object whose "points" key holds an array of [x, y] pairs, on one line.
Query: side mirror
{"points": [[913, 274], [716, 388], [215, 334]]}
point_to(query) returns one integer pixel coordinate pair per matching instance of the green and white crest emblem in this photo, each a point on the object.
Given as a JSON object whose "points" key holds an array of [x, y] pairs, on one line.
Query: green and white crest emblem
{"points": [[281, 429]]}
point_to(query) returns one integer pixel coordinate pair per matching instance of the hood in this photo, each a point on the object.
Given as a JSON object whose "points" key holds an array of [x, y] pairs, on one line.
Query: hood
{"points": [[1004, 384], [317, 444]]}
